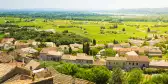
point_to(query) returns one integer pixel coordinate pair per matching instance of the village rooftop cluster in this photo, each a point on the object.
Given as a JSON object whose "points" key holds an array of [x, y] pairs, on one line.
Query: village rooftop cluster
{"points": [[23, 69]]}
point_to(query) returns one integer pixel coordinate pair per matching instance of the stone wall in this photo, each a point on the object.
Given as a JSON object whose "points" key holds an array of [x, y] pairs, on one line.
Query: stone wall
{"points": [[44, 81]]}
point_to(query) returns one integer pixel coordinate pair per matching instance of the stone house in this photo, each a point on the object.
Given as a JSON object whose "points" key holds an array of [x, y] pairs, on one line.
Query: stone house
{"points": [[125, 45], [5, 58], [7, 43], [136, 42], [6, 46], [123, 51], [50, 53], [137, 62], [128, 62], [21, 44], [155, 52], [68, 58], [131, 53], [153, 42], [29, 51], [112, 62], [110, 45], [82, 58], [159, 64], [76, 47], [117, 47], [32, 65], [50, 44], [8, 40]]}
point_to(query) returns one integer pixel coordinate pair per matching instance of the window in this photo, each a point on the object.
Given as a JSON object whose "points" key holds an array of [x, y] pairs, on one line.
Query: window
{"points": [[136, 63], [129, 63], [132, 63], [143, 65]]}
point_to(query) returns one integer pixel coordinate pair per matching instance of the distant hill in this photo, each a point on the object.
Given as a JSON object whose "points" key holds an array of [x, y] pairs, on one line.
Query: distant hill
{"points": [[121, 11], [144, 11]]}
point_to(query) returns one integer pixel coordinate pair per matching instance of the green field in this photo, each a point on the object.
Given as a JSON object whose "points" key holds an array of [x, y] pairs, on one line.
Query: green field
{"points": [[1, 35], [93, 28]]}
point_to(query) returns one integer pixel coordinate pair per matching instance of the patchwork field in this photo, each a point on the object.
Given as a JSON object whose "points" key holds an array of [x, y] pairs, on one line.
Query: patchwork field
{"points": [[92, 29]]}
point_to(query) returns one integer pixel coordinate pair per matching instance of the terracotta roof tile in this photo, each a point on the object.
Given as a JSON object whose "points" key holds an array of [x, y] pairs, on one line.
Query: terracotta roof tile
{"points": [[116, 58], [45, 50], [138, 58]]}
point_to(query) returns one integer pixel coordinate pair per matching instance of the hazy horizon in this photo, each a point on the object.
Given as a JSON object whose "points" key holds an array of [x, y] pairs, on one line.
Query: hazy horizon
{"points": [[82, 4]]}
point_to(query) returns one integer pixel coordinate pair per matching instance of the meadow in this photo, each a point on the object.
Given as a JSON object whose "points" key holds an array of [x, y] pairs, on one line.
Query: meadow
{"points": [[91, 29]]}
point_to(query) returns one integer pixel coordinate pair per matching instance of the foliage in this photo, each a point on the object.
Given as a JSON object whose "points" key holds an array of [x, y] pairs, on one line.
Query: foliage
{"points": [[154, 71], [135, 76], [115, 41], [123, 29], [42, 45], [67, 68], [163, 46], [158, 79], [145, 43], [42, 36], [87, 73], [94, 42], [148, 30], [109, 52], [92, 74], [94, 51], [117, 76], [70, 50], [78, 51], [86, 48]]}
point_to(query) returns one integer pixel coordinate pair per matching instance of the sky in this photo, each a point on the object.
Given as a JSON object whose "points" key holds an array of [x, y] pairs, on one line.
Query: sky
{"points": [[82, 4]]}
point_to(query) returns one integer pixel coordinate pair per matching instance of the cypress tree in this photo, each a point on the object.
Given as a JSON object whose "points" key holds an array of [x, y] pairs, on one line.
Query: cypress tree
{"points": [[94, 42]]}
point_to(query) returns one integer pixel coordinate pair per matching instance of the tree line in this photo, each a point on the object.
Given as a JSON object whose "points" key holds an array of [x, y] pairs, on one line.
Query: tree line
{"points": [[59, 38], [102, 75]]}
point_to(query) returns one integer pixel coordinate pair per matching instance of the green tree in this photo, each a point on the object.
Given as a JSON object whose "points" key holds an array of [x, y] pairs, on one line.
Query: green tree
{"points": [[165, 78], [97, 74], [135, 76], [123, 29], [83, 48], [86, 48], [115, 26], [70, 50], [157, 79], [94, 42], [65, 31], [68, 68], [101, 75], [42, 45], [145, 43], [156, 37], [117, 76], [94, 51], [109, 52], [115, 41], [148, 30]]}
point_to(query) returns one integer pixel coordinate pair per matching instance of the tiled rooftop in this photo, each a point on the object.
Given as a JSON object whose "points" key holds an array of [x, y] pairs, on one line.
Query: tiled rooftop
{"points": [[5, 68], [116, 58]]}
